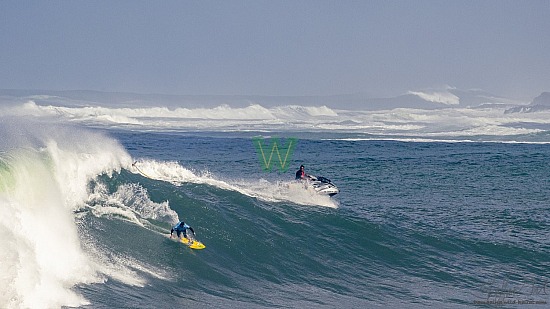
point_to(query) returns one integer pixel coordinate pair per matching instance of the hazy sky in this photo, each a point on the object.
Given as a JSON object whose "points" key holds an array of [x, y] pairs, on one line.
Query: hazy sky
{"points": [[276, 47]]}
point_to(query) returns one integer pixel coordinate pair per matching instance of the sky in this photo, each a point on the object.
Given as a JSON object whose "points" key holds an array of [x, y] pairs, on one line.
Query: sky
{"points": [[256, 47]]}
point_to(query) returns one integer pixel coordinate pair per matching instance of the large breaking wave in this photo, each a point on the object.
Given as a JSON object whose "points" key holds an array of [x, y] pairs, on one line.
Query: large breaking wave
{"points": [[45, 176], [55, 179]]}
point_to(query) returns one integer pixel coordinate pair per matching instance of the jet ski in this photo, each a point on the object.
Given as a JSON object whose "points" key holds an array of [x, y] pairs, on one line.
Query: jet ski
{"points": [[323, 185]]}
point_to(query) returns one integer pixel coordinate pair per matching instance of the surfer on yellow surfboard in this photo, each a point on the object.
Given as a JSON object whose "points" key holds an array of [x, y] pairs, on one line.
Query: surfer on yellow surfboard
{"points": [[181, 228], [188, 238]]}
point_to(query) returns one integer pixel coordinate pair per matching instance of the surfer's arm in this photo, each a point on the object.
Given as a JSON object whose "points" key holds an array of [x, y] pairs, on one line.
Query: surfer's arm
{"points": [[171, 233]]}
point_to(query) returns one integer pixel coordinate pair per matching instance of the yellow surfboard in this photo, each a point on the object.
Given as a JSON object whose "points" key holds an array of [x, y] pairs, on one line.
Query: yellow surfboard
{"points": [[194, 244]]}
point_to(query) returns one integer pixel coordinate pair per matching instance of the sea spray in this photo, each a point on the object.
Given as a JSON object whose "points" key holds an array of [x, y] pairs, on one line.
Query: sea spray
{"points": [[43, 258], [45, 174], [129, 201], [271, 191]]}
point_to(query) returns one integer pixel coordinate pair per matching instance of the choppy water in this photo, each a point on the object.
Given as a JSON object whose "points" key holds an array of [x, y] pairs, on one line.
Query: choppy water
{"points": [[416, 224]]}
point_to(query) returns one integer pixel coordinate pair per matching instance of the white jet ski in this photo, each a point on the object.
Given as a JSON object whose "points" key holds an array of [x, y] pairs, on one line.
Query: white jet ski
{"points": [[322, 185]]}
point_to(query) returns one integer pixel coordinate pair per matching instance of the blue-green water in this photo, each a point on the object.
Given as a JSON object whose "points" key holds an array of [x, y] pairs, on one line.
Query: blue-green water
{"points": [[415, 225]]}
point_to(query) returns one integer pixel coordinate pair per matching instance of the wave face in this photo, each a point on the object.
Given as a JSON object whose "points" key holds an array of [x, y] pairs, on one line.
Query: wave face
{"points": [[87, 208]]}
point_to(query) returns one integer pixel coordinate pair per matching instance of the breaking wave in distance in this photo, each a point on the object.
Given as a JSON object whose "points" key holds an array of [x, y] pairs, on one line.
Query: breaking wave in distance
{"points": [[452, 123]]}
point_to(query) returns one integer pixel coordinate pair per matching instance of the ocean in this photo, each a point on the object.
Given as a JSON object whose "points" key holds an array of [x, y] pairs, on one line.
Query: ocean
{"points": [[442, 208]]}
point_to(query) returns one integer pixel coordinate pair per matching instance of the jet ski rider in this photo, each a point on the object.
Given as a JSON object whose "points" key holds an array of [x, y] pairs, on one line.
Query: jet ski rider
{"points": [[301, 174]]}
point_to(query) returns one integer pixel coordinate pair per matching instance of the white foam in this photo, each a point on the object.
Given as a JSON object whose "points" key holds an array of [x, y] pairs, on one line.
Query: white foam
{"points": [[45, 171], [221, 117], [264, 190], [44, 258], [443, 97], [451, 122], [130, 201], [289, 191], [297, 112]]}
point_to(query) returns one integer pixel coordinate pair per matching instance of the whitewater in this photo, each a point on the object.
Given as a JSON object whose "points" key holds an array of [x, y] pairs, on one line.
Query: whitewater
{"points": [[456, 123], [438, 208]]}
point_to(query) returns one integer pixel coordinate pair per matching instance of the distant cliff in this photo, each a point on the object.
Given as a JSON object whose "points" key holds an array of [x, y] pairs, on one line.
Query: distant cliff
{"points": [[540, 103]]}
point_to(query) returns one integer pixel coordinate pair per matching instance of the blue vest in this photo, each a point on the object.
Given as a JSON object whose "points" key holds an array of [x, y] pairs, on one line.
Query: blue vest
{"points": [[178, 227]]}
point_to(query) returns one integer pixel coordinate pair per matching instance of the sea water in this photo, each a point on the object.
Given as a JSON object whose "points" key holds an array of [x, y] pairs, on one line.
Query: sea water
{"points": [[423, 219]]}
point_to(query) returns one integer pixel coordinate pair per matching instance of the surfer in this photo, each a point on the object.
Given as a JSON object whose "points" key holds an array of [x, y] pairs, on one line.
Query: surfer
{"points": [[301, 174], [180, 228]]}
